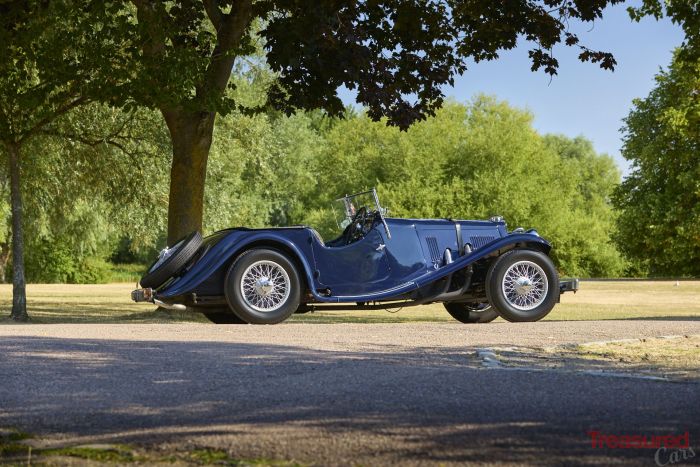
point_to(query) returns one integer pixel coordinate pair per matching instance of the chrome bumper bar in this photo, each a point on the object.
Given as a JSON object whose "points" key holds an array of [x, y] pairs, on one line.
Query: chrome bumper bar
{"points": [[569, 285]]}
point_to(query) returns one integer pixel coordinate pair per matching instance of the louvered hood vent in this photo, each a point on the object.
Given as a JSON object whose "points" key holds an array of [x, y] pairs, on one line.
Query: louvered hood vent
{"points": [[479, 241], [433, 248]]}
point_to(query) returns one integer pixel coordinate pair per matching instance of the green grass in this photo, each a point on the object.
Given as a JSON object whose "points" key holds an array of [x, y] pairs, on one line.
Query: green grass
{"points": [[110, 454], [91, 303], [673, 357], [15, 451], [679, 356], [11, 444], [630, 300], [220, 457], [111, 303]]}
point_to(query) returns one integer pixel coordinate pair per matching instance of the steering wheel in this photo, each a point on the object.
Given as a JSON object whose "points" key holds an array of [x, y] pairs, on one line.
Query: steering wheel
{"points": [[355, 230]]}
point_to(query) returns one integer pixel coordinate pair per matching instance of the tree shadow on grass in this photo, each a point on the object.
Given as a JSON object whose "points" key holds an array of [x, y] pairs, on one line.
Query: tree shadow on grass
{"points": [[374, 407], [105, 312]]}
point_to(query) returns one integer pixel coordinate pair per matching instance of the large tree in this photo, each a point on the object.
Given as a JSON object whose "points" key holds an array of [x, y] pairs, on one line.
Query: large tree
{"points": [[28, 101], [397, 54], [48, 53], [659, 202]]}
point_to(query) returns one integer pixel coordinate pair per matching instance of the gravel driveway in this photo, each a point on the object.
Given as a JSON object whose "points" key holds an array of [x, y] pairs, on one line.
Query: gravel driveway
{"points": [[336, 394]]}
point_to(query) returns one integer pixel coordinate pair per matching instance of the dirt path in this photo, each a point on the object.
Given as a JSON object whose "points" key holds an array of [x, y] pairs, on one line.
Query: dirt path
{"points": [[336, 394]]}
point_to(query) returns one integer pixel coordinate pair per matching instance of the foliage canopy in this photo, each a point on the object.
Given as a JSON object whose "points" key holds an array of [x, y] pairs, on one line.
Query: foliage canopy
{"points": [[177, 57], [398, 54], [659, 203]]}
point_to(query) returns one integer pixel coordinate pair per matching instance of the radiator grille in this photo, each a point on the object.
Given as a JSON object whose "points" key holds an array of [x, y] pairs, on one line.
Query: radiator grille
{"points": [[433, 248], [478, 241]]}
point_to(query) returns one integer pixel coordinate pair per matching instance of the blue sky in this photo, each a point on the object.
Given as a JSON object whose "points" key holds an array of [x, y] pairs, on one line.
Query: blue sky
{"points": [[582, 99]]}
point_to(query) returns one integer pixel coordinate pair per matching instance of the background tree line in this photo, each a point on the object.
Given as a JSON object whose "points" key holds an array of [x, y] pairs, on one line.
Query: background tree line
{"points": [[471, 160]]}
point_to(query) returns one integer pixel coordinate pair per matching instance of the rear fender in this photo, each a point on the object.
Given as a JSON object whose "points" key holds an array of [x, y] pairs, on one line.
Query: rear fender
{"points": [[231, 247]]}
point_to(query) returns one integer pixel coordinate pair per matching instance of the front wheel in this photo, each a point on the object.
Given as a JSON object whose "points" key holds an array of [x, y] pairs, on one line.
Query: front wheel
{"points": [[522, 285], [263, 287], [471, 313]]}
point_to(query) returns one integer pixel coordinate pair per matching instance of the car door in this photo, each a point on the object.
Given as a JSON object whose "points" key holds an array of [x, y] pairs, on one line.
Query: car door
{"points": [[355, 269]]}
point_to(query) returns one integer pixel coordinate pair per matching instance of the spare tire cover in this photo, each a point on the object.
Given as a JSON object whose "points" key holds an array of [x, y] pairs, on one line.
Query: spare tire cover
{"points": [[171, 260]]}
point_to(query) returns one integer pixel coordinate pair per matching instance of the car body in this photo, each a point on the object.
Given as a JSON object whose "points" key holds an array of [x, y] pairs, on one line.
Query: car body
{"points": [[386, 262]]}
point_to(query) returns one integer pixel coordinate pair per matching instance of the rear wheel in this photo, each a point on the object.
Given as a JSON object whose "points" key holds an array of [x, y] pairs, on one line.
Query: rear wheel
{"points": [[222, 315], [304, 308], [522, 285], [263, 287], [471, 313]]}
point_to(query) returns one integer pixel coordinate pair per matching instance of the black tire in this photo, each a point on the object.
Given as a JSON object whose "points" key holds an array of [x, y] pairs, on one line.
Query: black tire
{"points": [[222, 315], [304, 308], [471, 313], [543, 269], [243, 307], [182, 252]]}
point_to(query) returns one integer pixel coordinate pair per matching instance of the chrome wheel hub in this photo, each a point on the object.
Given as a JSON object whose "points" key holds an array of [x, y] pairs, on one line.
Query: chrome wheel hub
{"points": [[265, 286], [525, 285]]}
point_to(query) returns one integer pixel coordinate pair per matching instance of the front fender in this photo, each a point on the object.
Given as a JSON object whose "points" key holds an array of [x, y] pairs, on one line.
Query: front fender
{"points": [[494, 248]]}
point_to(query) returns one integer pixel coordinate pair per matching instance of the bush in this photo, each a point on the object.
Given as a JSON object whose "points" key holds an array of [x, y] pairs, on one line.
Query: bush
{"points": [[49, 263], [90, 271], [54, 263]]}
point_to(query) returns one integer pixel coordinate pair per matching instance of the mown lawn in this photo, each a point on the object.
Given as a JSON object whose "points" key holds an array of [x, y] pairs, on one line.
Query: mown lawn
{"points": [[111, 303], [18, 449]]}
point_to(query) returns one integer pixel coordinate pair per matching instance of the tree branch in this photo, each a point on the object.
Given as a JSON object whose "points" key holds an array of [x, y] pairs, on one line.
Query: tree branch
{"points": [[116, 133], [147, 14], [229, 35], [214, 13], [52, 116], [133, 155]]}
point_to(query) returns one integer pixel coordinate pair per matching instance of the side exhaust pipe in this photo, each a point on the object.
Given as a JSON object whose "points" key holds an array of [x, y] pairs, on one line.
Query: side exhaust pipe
{"points": [[170, 306]]}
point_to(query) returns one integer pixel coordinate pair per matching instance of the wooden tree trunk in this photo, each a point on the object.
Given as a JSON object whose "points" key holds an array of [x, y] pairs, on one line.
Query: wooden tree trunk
{"points": [[4, 260], [191, 134], [19, 285]]}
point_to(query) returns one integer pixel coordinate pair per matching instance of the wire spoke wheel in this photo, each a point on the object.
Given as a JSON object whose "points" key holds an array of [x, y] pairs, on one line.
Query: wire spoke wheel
{"points": [[265, 286], [262, 286], [525, 285]]}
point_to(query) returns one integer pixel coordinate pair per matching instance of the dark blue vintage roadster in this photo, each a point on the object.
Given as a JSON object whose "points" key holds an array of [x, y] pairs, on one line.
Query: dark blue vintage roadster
{"points": [[477, 269]]}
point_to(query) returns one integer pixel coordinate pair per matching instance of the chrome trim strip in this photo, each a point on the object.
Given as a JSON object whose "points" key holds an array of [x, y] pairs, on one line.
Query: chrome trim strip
{"points": [[381, 292]]}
